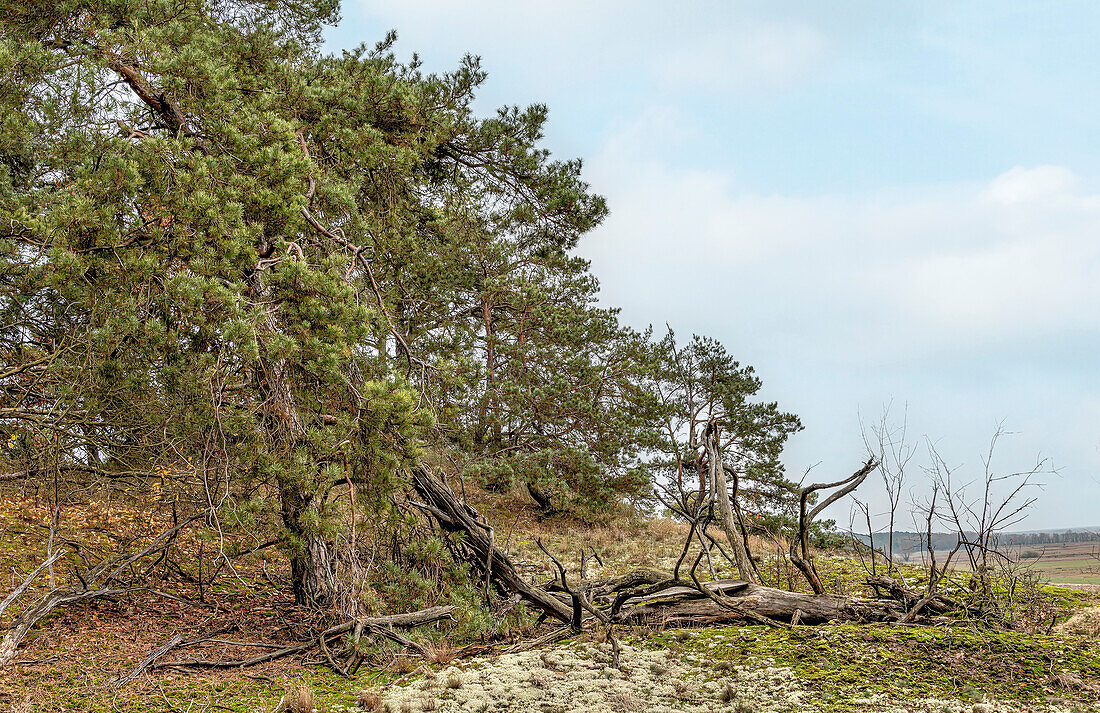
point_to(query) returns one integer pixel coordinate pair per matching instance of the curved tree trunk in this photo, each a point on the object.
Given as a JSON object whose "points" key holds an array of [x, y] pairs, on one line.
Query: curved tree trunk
{"points": [[658, 597], [456, 516], [719, 489], [800, 547]]}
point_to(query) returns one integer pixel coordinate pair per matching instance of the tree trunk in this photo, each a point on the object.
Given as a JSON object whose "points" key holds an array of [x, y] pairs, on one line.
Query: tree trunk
{"points": [[312, 577], [800, 548], [455, 516], [720, 493], [683, 605], [544, 499]]}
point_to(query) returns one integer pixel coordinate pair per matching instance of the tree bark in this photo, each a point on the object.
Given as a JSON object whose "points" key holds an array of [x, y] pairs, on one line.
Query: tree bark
{"points": [[683, 605], [455, 516], [721, 498]]}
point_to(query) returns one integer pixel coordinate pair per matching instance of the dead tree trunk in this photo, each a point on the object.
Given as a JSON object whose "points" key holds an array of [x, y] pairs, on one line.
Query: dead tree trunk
{"points": [[684, 605], [95, 583], [649, 597], [455, 516], [800, 548], [719, 492]]}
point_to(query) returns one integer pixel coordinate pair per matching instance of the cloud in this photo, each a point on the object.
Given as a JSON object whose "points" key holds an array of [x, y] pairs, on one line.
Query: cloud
{"points": [[550, 43], [913, 273], [973, 301], [1024, 185]]}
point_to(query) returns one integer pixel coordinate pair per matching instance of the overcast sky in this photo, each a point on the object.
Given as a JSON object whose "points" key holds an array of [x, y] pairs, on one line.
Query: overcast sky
{"points": [[869, 202]]}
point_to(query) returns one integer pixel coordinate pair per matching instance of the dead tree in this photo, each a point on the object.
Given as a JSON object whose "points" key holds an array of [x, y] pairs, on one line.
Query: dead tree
{"points": [[800, 547], [894, 452], [1003, 502], [935, 575], [581, 604], [684, 606], [669, 598], [453, 515], [100, 580], [719, 498], [384, 626]]}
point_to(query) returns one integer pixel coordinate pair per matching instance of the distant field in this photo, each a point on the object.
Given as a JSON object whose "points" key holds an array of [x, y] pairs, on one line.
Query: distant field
{"points": [[1072, 563]]}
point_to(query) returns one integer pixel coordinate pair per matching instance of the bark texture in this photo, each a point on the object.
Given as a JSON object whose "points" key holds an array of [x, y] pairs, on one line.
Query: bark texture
{"points": [[454, 515], [684, 605], [719, 489]]}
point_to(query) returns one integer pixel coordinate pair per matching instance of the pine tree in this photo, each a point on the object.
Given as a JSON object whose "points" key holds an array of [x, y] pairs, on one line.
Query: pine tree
{"points": [[700, 383], [225, 250], [183, 191]]}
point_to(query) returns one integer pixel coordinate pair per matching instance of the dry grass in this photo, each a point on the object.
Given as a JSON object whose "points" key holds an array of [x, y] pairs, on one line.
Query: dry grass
{"points": [[69, 658], [300, 700], [370, 701], [1085, 623], [66, 662]]}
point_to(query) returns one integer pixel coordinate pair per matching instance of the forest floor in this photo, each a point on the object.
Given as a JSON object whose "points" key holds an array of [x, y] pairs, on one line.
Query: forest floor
{"points": [[70, 661]]}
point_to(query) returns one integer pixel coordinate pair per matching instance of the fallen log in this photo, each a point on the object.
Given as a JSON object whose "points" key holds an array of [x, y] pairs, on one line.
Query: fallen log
{"points": [[381, 625], [408, 620], [684, 606], [96, 583], [606, 589], [677, 603], [680, 592]]}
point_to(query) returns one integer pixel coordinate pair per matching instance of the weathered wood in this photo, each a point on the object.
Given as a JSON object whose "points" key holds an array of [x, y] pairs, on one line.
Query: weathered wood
{"points": [[630, 579], [9, 644], [381, 626], [800, 547], [454, 515], [720, 500], [681, 592], [95, 583], [15, 593], [160, 651], [404, 621], [415, 618], [684, 605]]}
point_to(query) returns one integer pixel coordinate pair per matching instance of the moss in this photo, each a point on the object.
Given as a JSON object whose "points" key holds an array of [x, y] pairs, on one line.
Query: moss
{"points": [[844, 661], [1070, 599]]}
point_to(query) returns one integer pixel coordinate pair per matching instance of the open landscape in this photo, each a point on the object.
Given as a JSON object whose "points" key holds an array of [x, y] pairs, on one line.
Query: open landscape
{"points": [[83, 657], [1073, 563], [333, 380], [1076, 563]]}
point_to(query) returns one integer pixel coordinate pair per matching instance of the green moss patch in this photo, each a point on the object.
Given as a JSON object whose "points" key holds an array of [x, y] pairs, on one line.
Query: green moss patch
{"points": [[843, 662]]}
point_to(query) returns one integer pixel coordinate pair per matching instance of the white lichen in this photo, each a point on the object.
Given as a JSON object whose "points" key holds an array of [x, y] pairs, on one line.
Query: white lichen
{"points": [[579, 678]]}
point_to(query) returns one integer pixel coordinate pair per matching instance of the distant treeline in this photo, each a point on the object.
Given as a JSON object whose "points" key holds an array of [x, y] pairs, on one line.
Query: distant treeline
{"points": [[914, 542]]}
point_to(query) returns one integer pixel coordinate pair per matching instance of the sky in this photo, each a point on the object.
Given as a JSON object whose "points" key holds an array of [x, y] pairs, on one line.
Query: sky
{"points": [[876, 205]]}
